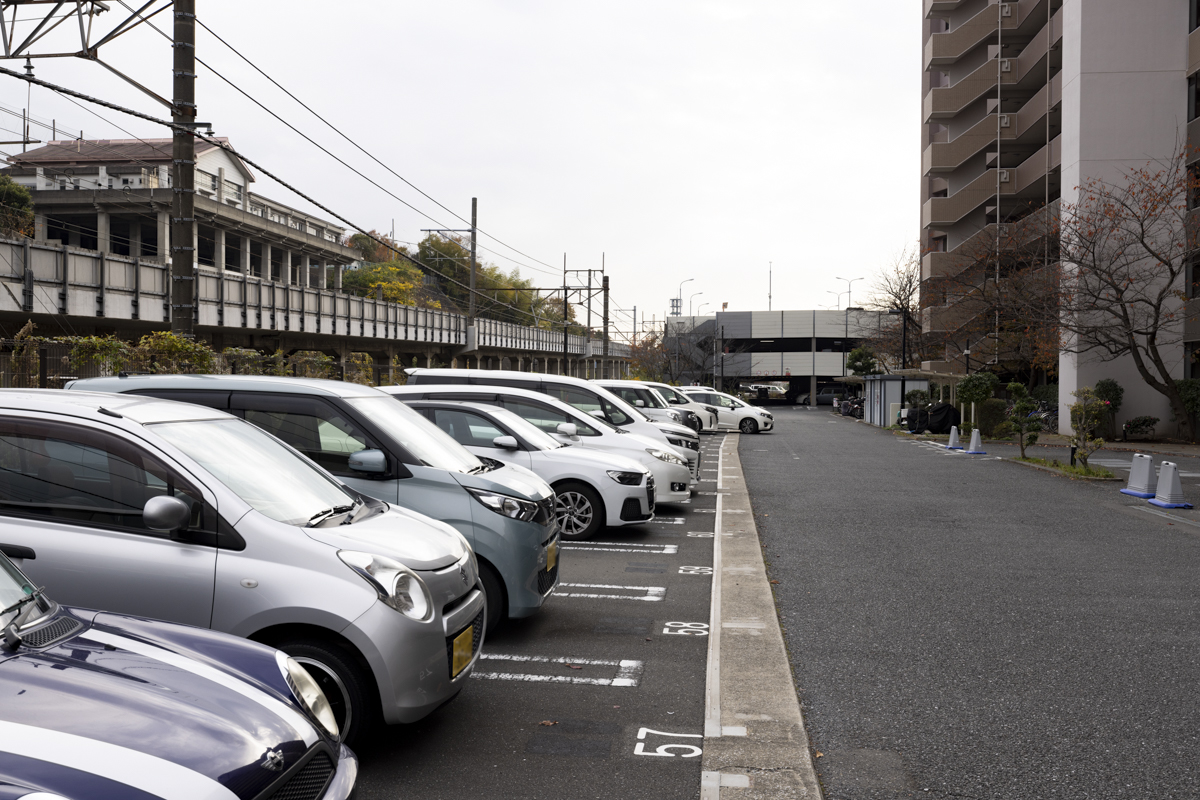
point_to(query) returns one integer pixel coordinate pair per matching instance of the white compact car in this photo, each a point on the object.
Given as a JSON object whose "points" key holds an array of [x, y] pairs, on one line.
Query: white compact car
{"points": [[569, 425], [703, 417], [649, 401], [593, 489], [731, 412]]}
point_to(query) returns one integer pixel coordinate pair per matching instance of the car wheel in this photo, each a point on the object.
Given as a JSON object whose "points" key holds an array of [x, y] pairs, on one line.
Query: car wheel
{"points": [[580, 511], [348, 687], [695, 424], [748, 426], [493, 590]]}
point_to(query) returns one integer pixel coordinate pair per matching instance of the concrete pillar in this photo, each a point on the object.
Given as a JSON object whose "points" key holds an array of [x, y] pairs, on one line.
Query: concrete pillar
{"points": [[322, 276], [135, 237], [102, 182], [266, 260], [103, 231], [306, 272], [39, 226], [244, 256], [219, 249], [163, 223], [195, 245], [221, 185], [337, 277]]}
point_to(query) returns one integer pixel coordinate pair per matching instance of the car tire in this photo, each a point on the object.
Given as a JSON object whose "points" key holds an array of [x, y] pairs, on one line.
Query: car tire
{"points": [[694, 423], [580, 511], [493, 590], [349, 688], [748, 426]]}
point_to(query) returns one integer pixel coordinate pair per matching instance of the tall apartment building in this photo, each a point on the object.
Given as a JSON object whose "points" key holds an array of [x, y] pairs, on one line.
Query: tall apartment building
{"points": [[1022, 103]]}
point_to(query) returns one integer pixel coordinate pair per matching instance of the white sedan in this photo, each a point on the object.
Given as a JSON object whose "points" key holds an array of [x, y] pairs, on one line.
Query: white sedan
{"points": [[732, 412], [594, 489]]}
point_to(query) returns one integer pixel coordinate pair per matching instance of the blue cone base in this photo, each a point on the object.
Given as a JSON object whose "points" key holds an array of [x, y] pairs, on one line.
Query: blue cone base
{"points": [[1164, 504], [975, 452], [948, 447], [1132, 493]]}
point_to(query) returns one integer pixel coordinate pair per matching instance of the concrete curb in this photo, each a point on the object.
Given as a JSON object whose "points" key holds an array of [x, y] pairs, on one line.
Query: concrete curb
{"points": [[1054, 471], [755, 745]]}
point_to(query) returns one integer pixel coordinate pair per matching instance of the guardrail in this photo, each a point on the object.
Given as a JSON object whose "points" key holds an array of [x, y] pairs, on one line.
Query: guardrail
{"points": [[56, 279]]}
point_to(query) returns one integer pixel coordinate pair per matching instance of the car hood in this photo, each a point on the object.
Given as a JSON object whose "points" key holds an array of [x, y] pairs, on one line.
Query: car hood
{"points": [[123, 700], [415, 540], [592, 459], [508, 479], [675, 428]]}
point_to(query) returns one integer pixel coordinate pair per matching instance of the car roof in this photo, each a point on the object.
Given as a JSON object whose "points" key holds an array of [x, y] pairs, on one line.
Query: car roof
{"points": [[134, 409], [439, 372], [459, 388], [242, 383]]}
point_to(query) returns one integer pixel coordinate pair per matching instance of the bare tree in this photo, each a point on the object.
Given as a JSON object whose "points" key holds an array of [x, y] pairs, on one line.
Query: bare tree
{"points": [[1126, 248], [897, 340]]}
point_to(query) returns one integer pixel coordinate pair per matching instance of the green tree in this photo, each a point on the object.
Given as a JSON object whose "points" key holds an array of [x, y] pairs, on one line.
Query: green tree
{"points": [[1088, 413], [1024, 428], [1110, 391], [16, 208], [861, 361], [401, 282], [977, 388]]}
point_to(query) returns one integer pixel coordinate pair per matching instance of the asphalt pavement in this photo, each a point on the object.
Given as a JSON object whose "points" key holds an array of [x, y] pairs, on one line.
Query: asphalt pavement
{"points": [[965, 627], [599, 695]]}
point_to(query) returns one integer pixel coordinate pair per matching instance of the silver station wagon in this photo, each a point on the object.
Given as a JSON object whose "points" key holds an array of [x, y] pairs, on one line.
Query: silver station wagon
{"points": [[185, 513]]}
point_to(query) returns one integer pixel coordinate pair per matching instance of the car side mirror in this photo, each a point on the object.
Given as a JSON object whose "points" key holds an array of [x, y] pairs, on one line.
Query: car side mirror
{"points": [[568, 429], [640, 403], [165, 513], [368, 461], [506, 443]]}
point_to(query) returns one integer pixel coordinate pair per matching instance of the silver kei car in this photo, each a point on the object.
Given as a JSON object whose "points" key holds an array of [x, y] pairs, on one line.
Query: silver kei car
{"points": [[187, 514]]}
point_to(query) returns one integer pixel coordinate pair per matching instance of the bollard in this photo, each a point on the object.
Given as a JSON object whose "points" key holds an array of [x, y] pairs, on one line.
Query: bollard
{"points": [[1170, 490], [953, 445], [1142, 480], [976, 444]]}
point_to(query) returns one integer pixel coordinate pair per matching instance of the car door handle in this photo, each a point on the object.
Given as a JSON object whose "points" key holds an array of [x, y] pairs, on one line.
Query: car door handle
{"points": [[17, 551]]}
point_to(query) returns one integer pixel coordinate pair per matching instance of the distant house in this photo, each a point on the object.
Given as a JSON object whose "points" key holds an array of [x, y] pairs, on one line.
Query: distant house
{"points": [[115, 196]]}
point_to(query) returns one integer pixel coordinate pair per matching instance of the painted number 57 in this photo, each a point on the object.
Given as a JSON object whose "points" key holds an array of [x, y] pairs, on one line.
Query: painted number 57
{"points": [[665, 750]]}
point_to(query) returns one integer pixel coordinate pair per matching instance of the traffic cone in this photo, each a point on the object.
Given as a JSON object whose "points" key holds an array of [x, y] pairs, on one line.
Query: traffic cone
{"points": [[954, 445], [1142, 480], [1170, 491], [976, 445]]}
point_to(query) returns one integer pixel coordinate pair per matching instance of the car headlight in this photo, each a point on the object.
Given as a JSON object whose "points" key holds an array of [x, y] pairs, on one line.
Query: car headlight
{"points": [[688, 443], [626, 478], [674, 415], [508, 506], [307, 693], [397, 585], [670, 458]]}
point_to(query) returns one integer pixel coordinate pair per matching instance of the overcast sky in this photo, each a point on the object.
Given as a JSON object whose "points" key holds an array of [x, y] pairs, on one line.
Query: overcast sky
{"points": [[683, 139]]}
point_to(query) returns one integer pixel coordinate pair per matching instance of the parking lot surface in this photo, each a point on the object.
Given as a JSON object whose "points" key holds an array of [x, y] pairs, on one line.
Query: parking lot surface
{"points": [[582, 699]]}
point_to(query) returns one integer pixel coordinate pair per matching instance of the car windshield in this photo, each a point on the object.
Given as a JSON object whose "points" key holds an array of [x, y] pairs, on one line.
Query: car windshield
{"points": [[733, 401], [653, 398], [271, 477], [432, 446], [673, 396], [532, 434], [15, 596]]}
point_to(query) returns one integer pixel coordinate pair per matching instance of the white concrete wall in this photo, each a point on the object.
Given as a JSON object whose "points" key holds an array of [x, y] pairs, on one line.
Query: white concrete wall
{"points": [[1124, 104]]}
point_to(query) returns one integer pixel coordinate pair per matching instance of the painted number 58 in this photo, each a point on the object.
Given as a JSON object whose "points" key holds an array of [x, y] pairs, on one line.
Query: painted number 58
{"points": [[665, 750], [686, 628]]}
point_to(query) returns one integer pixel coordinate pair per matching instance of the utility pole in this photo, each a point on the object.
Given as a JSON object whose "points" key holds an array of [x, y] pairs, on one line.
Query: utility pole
{"points": [[566, 351], [604, 284], [471, 312], [183, 156]]}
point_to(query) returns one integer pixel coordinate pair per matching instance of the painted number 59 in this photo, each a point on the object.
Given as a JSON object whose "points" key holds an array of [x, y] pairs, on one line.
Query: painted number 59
{"points": [[665, 750]]}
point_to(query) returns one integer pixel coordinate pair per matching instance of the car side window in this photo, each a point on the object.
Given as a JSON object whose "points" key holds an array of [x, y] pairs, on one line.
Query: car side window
{"points": [[466, 428], [724, 401], [547, 419], [86, 476], [315, 428]]}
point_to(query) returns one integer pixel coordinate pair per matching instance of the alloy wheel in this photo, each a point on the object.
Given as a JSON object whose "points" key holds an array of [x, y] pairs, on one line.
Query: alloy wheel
{"points": [[575, 513]]}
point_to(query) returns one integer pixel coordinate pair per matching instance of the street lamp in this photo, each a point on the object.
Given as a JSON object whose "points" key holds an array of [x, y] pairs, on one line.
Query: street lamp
{"points": [[697, 294], [680, 295], [702, 305], [839, 297], [849, 284]]}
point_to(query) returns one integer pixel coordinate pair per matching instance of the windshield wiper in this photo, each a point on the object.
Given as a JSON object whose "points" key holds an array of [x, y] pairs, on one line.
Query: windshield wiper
{"points": [[319, 517], [12, 640]]}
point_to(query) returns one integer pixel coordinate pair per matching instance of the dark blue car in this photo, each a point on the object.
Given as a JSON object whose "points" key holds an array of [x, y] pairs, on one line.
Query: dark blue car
{"points": [[96, 706]]}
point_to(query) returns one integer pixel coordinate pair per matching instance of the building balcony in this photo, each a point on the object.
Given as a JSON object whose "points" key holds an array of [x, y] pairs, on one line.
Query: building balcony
{"points": [[937, 8], [948, 47], [1193, 53], [946, 102], [943, 211]]}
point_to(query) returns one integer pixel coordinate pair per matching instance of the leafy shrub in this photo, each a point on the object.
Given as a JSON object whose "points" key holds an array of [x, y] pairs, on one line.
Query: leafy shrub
{"points": [[990, 414], [1108, 390], [916, 398], [1045, 394], [1019, 423], [977, 388], [1087, 415], [1140, 425]]}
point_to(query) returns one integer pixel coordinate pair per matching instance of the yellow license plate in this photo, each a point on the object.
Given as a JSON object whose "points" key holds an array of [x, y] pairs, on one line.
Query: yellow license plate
{"points": [[551, 556], [462, 651]]}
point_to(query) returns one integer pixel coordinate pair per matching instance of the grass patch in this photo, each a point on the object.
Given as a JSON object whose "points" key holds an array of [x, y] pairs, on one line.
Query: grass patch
{"points": [[1067, 469]]}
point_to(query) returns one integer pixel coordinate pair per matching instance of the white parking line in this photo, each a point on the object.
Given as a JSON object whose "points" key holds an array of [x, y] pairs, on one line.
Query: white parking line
{"points": [[629, 672], [620, 547], [651, 594]]}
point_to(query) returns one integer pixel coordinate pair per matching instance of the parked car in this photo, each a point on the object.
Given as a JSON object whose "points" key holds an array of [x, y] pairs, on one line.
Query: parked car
{"points": [[584, 395], [100, 706], [390, 452], [188, 514], [703, 418], [593, 489], [569, 425], [734, 413], [828, 396], [645, 399]]}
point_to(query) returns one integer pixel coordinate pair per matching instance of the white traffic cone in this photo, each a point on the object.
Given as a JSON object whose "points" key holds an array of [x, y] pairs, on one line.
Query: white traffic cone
{"points": [[1142, 480], [976, 445], [954, 445], [1170, 491]]}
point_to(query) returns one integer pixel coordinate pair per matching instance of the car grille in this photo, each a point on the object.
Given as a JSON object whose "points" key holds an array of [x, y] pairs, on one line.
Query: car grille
{"points": [[309, 782], [476, 640], [650, 493], [546, 579], [59, 629], [546, 514]]}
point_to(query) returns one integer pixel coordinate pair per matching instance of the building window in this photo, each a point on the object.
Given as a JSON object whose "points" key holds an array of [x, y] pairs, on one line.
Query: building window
{"points": [[1193, 96], [1193, 14]]}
